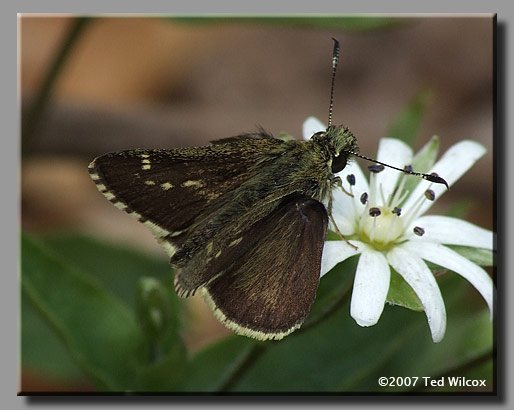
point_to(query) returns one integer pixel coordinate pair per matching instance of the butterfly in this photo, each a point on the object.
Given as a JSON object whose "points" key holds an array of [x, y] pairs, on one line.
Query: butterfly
{"points": [[243, 220]]}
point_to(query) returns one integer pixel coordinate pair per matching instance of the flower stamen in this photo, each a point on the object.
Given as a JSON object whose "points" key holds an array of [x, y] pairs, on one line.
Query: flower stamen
{"points": [[418, 230]]}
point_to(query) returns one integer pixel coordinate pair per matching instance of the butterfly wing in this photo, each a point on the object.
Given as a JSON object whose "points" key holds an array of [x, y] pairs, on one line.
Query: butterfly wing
{"points": [[168, 189], [269, 283]]}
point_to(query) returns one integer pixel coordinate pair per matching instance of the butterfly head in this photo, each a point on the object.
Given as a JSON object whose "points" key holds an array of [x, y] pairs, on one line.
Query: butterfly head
{"points": [[340, 142]]}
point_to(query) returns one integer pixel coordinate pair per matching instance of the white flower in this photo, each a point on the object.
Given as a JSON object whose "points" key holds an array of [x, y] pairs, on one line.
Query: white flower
{"points": [[403, 238]]}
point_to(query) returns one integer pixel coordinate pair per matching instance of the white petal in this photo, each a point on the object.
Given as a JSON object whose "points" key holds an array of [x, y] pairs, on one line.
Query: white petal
{"points": [[311, 126], [337, 251], [451, 231], [396, 153], [418, 276], [449, 259], [370, 288], [452, 165]]}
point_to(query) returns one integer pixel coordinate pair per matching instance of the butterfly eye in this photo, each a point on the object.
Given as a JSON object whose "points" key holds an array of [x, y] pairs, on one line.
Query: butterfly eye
{"points": [[338, 163]]}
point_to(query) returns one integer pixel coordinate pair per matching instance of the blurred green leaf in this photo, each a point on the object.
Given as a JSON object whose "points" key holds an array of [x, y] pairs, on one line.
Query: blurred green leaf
{"points": [[482, 257], [401, 294], [332, 236], [460, 209], [117, 268], [349, 23], [407, 123], [213, 365], [165, 374], [42, 351], [155, 358], [425, 158], [99, 333]]}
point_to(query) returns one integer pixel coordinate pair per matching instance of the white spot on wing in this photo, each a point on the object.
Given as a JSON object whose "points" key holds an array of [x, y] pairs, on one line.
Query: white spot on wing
{"points": [[192, 183], [120, 205]]}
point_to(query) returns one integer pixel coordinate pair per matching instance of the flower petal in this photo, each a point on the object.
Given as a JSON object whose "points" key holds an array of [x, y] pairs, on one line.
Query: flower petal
{"points": [[337, 251], [396, 153], [421, 280], [443, 256], [370, 288], [311, 126], [452, 165], [451, 231]]}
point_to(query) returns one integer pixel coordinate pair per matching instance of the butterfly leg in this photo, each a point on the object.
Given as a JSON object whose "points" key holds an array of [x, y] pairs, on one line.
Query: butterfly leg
{"points": [[337, 181]]}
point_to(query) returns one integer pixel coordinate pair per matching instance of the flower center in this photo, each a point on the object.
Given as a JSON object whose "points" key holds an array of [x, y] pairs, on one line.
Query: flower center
{"points": [[381, 226], [381, 223]]}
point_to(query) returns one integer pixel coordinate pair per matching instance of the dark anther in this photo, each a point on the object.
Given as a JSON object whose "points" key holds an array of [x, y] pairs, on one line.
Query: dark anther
{"points": [[351, 179], [376, 168], [374, 212], [397, 211], [364, 198], [418, 230], [430, 194]]}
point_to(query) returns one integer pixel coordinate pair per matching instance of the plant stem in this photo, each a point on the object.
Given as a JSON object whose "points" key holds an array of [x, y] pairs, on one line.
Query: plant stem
{"points": [[31, 120]]}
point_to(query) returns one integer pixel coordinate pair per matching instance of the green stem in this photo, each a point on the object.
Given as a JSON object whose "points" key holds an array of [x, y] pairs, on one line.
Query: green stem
{"points": [[246, 363], [31, 120]]}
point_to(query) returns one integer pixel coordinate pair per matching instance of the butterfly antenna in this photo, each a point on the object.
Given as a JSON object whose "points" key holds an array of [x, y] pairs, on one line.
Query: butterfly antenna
{"points": [[407, 170], [335, 59]]}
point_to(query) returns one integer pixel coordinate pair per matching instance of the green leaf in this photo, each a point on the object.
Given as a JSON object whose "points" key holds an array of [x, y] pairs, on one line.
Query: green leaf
{"points": [[401, 294], [212, 366], [43, 354], [117, 268], [160, 354], [98, 332], [356, 23], [460, 209], [425, 158], [166, 374], [332, 236], [407, 123], [482, 257]]}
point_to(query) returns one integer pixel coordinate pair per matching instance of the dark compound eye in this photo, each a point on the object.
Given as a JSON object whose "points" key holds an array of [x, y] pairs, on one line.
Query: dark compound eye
{"points": [[338, 163]]}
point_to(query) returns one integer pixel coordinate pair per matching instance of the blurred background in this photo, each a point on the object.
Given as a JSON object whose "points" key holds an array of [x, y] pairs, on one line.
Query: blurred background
{"points": [[167, 82]]}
